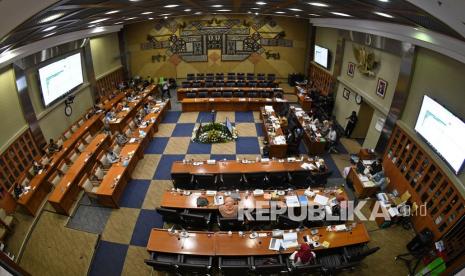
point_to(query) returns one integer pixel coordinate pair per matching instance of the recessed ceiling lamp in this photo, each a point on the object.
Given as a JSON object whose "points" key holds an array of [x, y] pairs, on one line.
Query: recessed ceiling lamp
{"points": [[171, 6], [165, 14], [256, 13], [217, 6], [134, 0], [145, 13], [91, 26], [51, 18], [49, 34], [255, 8], [384, 14], [98, 30], [130, 18], [296, 15], [150, 18], [98, 20], [112, 12], [385, 1], [166, 17], [224, 10], [197, 13], [249, 12], [294, 9], [318, 4], [313, 14], [187, 10], [118, 23], [341, 14], [261, 3], [279, 12], [48, 29]]}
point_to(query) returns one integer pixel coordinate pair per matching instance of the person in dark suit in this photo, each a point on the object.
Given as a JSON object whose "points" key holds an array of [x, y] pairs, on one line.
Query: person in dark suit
{"points": [[351, 124]]}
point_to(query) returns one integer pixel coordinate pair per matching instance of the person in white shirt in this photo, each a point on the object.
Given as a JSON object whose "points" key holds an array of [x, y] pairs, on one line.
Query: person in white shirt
{"points": [[112, 157], [121, 139], [332, 138]]}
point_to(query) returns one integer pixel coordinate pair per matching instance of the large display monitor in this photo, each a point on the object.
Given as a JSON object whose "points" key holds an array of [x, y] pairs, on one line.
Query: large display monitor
{"points": [[59, 77], [443, 131], [321, 56]]}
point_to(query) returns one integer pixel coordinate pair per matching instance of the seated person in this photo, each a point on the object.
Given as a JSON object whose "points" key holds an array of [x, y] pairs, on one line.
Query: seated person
{"points": [[36, 167], [52, 146], [380, 180], [325, 128], [121, 138], [332, 136], [341, 203], [18, 190], [119, 107], [376, 167], [112, 157], [303, 256], [229, 208]]}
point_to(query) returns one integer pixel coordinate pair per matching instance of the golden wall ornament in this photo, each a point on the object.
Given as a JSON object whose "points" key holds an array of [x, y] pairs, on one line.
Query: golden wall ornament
{"points": [[367, 62]]}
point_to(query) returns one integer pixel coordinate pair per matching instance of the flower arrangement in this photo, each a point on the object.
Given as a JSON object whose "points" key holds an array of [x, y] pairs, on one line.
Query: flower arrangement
{"points": [[212, 133]]}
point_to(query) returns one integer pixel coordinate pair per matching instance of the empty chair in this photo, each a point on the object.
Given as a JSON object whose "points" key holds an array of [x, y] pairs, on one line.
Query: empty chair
{"points": [[358, 252], [240, 76], [183, 181], [227, 94], [88, 138], [195, 265], [90, 187], [231, 76], [200, 77], [210, 77], [63, 167], [195, 220], [333, 262], [278, 94], [265, 94], [116, 149], [73, 156], [320, 179], [54, 179], [230, 224], [128, 132], [166, 262], [196, 84], [301, 179], [253, 94], [104, 162], [266, 265], [279, 180], [203, 94], [252, 83], [191, 95], [285, 222], [99, 174], [312, 268], [6, 219], [216, 94], [185, 84], [81, 147], [169, 215], [67, 134], [260, 76], [271, 77], [209, 84], [235, 265], [230, 84], [219, 83], [206, 181], [219, 76], [74, 128], [238, 94], [190, 77], [256, 180], [25, 182], [240, 84], [231, 181], [250, 76], [263, 84]]}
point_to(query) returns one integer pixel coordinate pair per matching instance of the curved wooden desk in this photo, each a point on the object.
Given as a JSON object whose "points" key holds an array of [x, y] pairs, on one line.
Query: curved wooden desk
{"points": [[228, 104]]}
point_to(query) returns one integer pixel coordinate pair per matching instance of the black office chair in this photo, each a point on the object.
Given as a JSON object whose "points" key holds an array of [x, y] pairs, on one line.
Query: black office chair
{"points": [[196, 84], [195, 265], [278, 94], [203, 94], [320, 179], [238, 94], [165, 262], [209, 83], [219, 77], [240, 83], [191, 95], [271, 77], [200, 77], [206, 181], [263, 84], [240, 76], [267, 265], [190, 77], [357, 253], [219, 83], [185, 84], [253, 94], [227, 94], [195, 220], [183, 181], [334, 262], [250, 76], [230, 224], [313, 268], [256, 180], [252, 83], [230, 84], [231, 181], [260, 76], [265, 94], [234, 265], [231, 76], [285, 222], [301, 179], [216, 94], [279, 180], [169, 215]]}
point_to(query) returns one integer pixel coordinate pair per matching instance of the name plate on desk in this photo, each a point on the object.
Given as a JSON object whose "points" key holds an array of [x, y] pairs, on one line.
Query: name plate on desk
{"points": [[211, 162]]}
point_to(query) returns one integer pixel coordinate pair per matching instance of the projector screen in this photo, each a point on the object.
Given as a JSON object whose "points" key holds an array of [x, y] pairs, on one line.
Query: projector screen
{"points": [[443, 131], [321, 56], [60, 77]]}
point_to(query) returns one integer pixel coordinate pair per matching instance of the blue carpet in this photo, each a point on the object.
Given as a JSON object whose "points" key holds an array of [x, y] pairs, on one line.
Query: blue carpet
{"points": [[302, 149], [134, 194], [244, 117], [109, 259], [341, 149], [259, 128], [147, 220], [199, 148], [89, 217], [183, 130], [223, 156], [332, 166], [157, 145], [171, 117], [163, 171], [247, 145], [206, 117]]}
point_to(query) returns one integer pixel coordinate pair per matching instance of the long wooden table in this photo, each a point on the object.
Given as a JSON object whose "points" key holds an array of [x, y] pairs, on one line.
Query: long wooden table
{"points": [[275, 149], [314, 144], [66, 191], [223, 244], [362, 189], [304, 100], [181, 92], [177, 200], [229, 104]]}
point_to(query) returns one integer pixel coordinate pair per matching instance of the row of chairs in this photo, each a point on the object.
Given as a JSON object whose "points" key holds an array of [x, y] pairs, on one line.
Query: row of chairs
{"points": [[235, 94], [231, 76], [327, 262], [221, 83], [205, 220], [259, 180]]}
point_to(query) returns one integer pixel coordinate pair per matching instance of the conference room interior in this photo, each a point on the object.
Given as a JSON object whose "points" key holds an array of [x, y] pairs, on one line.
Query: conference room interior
{"points": [[206, 101]]}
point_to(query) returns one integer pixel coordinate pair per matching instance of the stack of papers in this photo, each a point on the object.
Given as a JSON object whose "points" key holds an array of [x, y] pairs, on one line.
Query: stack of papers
{"points": [[308, 166], [269, 108], [320, 199], [292, 201], [258, 192], [290, 240], [276, 244], [279, 140]]}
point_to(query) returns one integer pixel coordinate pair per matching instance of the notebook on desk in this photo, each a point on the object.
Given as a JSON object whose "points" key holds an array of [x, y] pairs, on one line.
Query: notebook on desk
{"points": [[290, 240]]}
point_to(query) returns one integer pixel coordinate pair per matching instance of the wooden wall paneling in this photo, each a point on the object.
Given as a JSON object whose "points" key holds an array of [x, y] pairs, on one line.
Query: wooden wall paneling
{"points": [[107, 83], [322, 79]]}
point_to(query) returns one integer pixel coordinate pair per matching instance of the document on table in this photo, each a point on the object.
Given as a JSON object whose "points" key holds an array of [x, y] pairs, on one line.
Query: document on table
{"points": [[308, 166], [276, 244], [290, 240], [368, 184], [292, 201], [363, 178], [320, 199]]}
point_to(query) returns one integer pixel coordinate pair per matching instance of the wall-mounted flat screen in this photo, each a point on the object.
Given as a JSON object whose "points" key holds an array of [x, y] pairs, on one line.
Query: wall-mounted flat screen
{"points": [[443, 131], [60, 77], [321, 56]]}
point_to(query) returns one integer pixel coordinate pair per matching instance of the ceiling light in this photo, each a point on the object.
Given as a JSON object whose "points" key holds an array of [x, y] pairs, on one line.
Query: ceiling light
{"points": [[384, 14], [255, 8], [166, 17], [49, 28], [294, 9], [145, 13], [260, 3], [130, 18], [318, 4], [224, 10], [150, 18], [197, 13], [296, 15], [279, 12], [385, 1], [98, 30], [187, 10], [341, 14], [118, 23], [49, 34], [256, 13], [313, 14], [91, 26], [249, 12], [51, 17], [217, 6], [171, 6], [165, 14], [112, 12], [134, 0], [98, 20]]}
